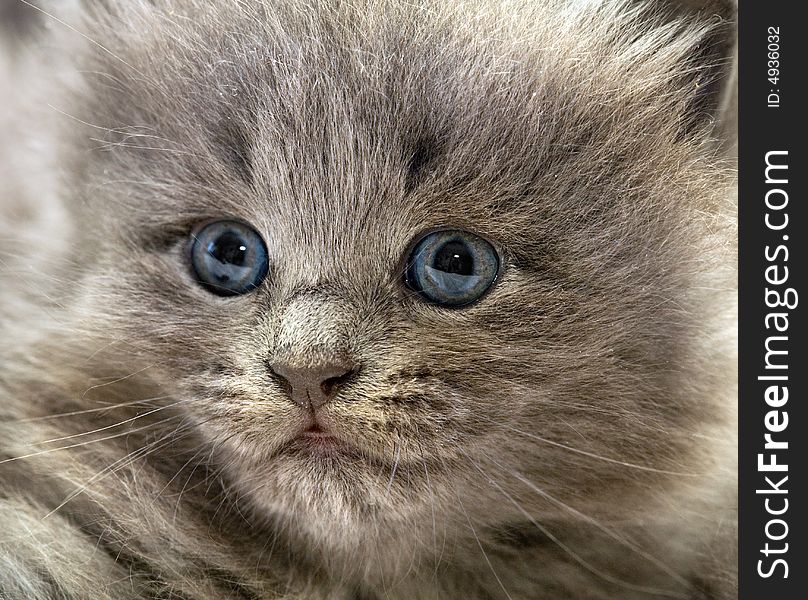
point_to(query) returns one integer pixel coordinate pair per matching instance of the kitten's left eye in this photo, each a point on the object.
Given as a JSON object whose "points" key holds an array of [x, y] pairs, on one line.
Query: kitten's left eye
{"points": [[452, 267], [229, 258]]}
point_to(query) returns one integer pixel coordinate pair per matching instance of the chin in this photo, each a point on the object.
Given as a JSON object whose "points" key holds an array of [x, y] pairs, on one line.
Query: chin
{"points": [[335, 498], [305, 475]]}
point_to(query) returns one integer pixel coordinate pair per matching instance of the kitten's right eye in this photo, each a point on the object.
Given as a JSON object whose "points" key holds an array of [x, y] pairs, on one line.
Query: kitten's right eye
{"points": [[229, 258]]}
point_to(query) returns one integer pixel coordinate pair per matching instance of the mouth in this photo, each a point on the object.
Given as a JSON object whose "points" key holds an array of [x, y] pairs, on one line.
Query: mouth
{"points": [[317, 440]]}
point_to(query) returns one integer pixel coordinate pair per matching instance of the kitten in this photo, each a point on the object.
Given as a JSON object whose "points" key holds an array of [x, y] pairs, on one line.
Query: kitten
{"points": [[371, 299]]}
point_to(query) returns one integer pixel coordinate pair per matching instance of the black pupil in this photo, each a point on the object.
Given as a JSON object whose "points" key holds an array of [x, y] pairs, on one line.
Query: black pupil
{"points": [[454, 257], [229, 248]]}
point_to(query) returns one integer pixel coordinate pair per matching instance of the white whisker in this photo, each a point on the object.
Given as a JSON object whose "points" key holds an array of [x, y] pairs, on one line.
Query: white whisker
{"points": [[615, 461], [86, 37], [569, 551]]}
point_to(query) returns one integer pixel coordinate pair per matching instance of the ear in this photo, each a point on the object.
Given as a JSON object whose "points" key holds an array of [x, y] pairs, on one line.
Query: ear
{"points": [[713, 77]]}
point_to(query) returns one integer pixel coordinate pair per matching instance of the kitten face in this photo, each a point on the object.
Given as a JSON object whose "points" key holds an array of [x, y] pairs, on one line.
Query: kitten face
{"points": [[342, 139]]}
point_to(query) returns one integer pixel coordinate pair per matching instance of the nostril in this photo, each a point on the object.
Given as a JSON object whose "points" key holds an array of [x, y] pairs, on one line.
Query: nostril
{"points": [[330, 385], [283, 381], [315, 385]]}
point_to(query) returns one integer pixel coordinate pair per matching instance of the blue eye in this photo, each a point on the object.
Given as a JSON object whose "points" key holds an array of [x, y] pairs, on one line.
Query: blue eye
{"points": [[229, 258], [452, 267]]}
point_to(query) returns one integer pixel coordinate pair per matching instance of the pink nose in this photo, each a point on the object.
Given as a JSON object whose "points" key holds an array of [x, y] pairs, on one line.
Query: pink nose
{"points": [[313, 386]]}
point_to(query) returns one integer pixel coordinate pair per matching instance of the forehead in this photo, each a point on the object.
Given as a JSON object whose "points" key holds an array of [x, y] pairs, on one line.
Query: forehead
{"points": [[303, 120], [325, 126]]}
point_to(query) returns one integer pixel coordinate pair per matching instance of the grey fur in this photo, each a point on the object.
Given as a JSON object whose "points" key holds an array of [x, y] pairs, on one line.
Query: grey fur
{"points": [[569, 436]]}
